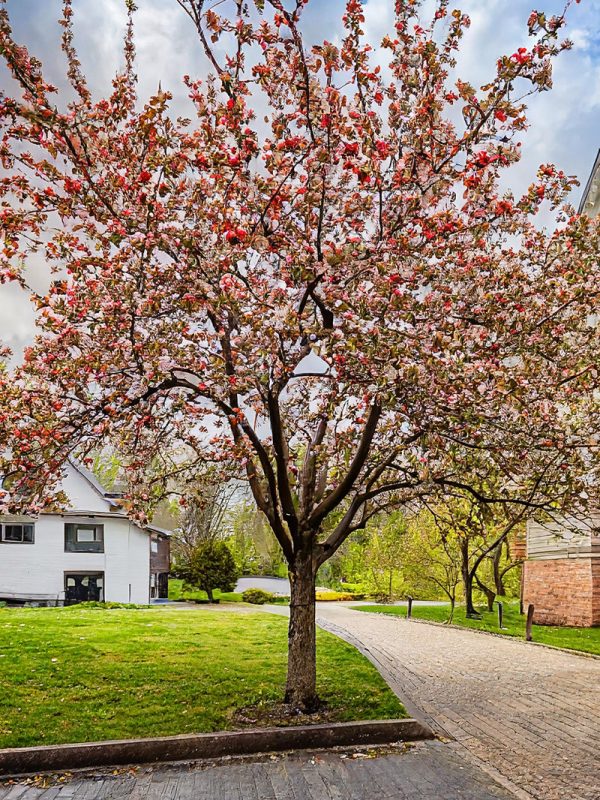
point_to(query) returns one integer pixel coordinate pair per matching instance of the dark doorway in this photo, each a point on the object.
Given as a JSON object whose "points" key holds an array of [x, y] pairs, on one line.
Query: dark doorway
{"points": [[159, 585], [81, 587], [163, 584]]}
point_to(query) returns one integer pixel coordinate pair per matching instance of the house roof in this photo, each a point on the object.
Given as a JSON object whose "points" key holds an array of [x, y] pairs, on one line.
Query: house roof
{"points": [[591, 192], [112, 498], [161, 531]]}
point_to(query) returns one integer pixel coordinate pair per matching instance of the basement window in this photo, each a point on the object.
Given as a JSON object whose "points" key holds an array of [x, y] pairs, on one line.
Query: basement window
{"points": [[84, 538], [17, 533]]}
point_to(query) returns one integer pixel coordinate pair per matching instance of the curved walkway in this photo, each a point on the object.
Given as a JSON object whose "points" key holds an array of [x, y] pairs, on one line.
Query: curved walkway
{"points": [[527, 714]]}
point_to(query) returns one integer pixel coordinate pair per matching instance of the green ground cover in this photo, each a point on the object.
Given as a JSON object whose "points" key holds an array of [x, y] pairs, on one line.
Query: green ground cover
{"points": [[75, 675], [585, 639]]}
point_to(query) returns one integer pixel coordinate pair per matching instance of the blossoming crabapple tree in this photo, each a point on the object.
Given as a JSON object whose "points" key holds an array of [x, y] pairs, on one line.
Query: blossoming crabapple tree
{"points": [[334, 297]]}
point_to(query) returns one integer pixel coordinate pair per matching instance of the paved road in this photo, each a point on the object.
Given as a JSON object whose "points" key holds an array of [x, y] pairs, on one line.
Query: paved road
{"points": [[427, 771], [531, 713]]}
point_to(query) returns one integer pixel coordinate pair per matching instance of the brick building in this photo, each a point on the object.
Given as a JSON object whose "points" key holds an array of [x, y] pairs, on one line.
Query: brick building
{"points": [[561, 575], [562, 572]]}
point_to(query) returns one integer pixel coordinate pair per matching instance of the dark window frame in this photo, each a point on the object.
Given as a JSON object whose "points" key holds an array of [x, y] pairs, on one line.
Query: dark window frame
{"points": [[72, 545], [21, 525]]}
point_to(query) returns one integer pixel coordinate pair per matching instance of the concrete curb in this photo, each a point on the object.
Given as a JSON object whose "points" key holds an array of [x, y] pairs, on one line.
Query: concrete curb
{"points": [[190, 747]]}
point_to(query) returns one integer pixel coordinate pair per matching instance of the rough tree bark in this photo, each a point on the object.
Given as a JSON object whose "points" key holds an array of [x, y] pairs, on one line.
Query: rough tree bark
{"points": [[301, 685], [498, 573], [467, 577], [490, 595]]}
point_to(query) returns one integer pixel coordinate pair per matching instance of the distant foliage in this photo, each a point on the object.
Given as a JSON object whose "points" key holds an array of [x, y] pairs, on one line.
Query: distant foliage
{"points": [[210, 566], [332, 596], [258, 597]]}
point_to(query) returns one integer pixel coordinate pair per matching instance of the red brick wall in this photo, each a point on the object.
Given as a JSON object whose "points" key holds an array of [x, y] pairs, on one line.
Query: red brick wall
{"points": [[564, 591], [595, 591]]}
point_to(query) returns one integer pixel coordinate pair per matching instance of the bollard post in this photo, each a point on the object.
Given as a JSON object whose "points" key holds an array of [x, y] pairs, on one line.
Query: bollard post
{"points": [[529, 623], [500, 615], [409, 607]]}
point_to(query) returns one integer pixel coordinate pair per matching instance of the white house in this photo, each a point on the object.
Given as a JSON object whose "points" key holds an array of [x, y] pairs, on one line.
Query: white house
{"points": [[90, 551], [590, 199]]}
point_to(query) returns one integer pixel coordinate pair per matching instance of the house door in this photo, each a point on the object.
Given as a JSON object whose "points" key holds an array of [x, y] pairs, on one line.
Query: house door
{"points": [[163, 584], [80, 587]]}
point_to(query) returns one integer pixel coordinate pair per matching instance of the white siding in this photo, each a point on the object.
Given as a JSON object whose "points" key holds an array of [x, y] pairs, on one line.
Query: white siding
{"points": [[82, 495], [39, 568], [573, 539]]}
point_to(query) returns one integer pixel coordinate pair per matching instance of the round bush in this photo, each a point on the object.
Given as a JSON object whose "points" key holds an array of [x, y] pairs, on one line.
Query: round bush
{"points": [[257, 597]]}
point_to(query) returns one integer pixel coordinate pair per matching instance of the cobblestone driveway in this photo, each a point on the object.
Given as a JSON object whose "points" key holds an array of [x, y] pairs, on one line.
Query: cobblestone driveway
{"points": [[531, 713]]}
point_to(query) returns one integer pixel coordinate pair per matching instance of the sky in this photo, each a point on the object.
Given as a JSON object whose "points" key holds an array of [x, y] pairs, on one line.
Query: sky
{"points": [[565, 123]]}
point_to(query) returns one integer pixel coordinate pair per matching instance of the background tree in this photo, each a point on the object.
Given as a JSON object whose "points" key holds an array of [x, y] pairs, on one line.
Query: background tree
{"points": [[341, 301], [432, 561], [503, 561], [478, 530], [204, 518], [252, 543], [209, 566], [384, 554]]}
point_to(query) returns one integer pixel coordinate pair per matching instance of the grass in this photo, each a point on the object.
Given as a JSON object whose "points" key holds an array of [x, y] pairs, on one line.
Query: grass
{"points": [[585, 639], [76, 675]]}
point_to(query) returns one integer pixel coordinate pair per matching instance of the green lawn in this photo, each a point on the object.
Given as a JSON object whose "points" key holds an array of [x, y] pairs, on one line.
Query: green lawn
{"points": [[75, 675], [586, 639]]}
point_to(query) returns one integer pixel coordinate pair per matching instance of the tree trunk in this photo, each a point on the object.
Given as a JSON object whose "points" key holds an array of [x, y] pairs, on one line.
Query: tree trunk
{"points": [[498, 576], [467, 578], [209, 592], [489, 594], [452, 605], [301, 686]]}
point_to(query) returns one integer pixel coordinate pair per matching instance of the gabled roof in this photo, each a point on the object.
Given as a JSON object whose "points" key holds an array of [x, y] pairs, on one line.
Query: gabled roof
{"points": [[112, 498], [591, 193], [87, 475], [161, 531]]}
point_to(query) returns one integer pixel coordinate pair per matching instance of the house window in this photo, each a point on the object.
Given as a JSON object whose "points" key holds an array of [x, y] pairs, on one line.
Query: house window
{"points": [[154, 545], [84, 538], [17, 532]]}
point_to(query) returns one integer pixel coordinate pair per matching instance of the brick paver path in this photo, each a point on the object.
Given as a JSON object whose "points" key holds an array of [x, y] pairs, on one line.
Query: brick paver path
{"points": [[531, 713], [428, 771]]}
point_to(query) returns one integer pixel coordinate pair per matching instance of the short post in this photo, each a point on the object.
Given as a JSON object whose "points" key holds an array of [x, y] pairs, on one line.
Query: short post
{"points": [[500, 615], [529, 623], [521, 590], [409, 607]]}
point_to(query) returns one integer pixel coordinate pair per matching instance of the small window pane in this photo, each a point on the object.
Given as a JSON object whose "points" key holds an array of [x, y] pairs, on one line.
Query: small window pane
{"points": [[16, 532], [154, 546], [13, 533], [86, 534], [82, 538]]}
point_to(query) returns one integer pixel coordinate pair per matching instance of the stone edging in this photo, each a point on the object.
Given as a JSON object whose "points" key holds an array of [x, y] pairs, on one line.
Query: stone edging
{"points": [[190, 747], [505, 636]]}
